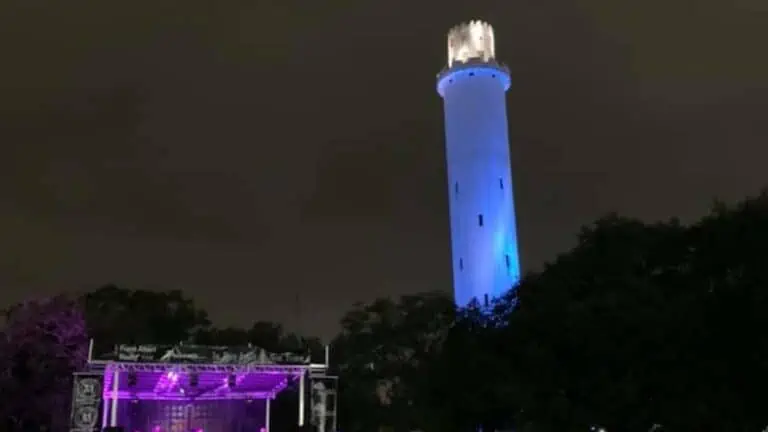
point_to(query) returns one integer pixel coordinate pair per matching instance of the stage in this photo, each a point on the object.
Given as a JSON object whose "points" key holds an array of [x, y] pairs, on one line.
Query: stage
{"points": [[182, 388]]}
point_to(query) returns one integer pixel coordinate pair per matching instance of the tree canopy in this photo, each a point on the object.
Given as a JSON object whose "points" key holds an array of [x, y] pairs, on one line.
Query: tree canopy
{"points": [[639, 326], [43, 342], [642, 324]]}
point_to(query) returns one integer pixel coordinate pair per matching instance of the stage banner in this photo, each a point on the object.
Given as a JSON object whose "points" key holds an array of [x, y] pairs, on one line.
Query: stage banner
{"points": [[86, 402], [203, 354]]}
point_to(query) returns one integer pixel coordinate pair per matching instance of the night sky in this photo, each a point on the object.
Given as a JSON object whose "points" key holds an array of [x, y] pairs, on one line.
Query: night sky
{"points": [[249, 152]]}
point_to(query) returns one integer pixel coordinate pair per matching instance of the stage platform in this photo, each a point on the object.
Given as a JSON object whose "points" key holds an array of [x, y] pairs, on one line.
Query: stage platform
{"points": [[182, 388]]}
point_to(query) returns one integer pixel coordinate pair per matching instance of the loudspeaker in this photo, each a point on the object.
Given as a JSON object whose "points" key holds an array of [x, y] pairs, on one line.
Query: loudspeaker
{"points": [[231, 381], [193, 379], [114, 429], [132, 378]]}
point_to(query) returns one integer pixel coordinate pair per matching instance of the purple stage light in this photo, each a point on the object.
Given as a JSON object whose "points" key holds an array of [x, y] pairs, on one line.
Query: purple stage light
{"points": [[181, 396], [211, 385]]}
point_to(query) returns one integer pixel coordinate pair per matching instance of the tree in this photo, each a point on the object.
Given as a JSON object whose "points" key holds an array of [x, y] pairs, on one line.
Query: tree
{"points": [[44, 343], [467, 382], [381, 354], [121, 316], [266, 335], [645, 324]]}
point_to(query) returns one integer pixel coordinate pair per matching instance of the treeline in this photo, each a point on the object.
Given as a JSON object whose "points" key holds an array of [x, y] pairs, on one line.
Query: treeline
{"points": [[639, 327], [45, 340]]}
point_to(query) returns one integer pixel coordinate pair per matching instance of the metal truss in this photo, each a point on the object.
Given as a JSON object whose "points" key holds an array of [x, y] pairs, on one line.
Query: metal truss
{"points": [[128, 395], [187, 367]]}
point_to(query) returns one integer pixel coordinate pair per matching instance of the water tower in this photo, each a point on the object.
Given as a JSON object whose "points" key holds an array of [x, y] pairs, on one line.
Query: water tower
{"points": [[483, 229]]}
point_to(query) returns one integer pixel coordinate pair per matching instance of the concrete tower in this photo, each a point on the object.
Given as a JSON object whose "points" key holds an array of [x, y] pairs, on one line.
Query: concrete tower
{"points": [[483, 228]]}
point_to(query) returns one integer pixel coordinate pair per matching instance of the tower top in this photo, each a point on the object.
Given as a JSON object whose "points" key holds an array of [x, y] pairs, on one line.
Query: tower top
{"points": [[471, 41]]}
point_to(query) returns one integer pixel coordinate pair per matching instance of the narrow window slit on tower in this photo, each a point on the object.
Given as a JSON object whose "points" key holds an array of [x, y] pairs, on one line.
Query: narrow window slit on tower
{"points": [[456, 188], [501, 183], [480, 220], [506, 260], [461, 264]]}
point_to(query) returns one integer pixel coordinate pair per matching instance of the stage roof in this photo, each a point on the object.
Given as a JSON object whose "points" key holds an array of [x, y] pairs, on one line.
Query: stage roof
{"points": [[214, 382]]}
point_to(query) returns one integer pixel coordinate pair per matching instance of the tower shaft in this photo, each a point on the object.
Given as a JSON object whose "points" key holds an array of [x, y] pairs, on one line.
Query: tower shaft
{"points": [[482, 212]]}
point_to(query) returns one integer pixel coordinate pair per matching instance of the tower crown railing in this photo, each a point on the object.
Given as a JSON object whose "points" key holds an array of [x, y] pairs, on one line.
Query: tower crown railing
{"points": [[474, 62], [472, 40], [471, 67]]}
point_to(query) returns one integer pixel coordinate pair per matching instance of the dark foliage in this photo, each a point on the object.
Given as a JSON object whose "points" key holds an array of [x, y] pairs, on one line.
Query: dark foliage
{"points": [[43, 343]]}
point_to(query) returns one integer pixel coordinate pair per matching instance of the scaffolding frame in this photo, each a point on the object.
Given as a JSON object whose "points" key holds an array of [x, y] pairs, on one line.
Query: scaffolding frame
{"points": [[302, 372]]}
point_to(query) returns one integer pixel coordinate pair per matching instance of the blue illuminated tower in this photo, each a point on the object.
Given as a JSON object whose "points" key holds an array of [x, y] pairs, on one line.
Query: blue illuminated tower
{"points": [[483, 228]]}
